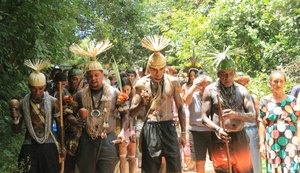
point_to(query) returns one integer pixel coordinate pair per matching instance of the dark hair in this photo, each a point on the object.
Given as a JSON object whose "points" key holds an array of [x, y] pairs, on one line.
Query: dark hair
{"points": [[131, 71], [111, 77], [125, 81], [123, 74], [61, 76], [190, 71]]}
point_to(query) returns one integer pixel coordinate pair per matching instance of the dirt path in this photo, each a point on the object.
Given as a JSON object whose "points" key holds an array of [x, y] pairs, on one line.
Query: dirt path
{"points": [[208, 168]]}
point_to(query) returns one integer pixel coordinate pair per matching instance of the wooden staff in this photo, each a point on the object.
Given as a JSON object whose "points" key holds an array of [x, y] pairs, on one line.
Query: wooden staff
{"points": [[222, 126], [62, 144]]}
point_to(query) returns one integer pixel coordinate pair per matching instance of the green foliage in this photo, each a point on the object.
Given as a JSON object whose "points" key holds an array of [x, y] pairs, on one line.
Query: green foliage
{"points": [[38, 29], [123, 23], [262, 27], [45, 30], [184, 24], [293, 71], [259, 85], [10, 143], [267, 30], [29, 29], [9, 148]]}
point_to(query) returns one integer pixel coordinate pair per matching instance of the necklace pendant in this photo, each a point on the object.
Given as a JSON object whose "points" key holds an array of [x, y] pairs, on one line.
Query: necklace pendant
{"points": [[95, 113]]}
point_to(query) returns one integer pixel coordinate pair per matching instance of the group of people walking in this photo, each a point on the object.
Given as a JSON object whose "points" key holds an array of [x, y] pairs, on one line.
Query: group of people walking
{"points": [[99, 124]]}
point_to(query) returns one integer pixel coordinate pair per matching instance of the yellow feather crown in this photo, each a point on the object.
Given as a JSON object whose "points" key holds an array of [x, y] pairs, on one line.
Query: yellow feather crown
{"points": [[93, 49], [156, 44], [37, 78]]}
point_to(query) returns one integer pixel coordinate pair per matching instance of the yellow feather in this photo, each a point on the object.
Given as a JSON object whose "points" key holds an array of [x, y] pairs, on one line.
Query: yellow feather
{"points": [[93, 49], [155, 43], [37, 65]]}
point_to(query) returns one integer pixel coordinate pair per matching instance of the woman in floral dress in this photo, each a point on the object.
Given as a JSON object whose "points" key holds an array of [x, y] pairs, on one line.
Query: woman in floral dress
{"points": [[278, 130]]}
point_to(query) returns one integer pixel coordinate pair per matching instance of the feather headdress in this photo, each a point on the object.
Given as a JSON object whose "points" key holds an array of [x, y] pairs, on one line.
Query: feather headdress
{"points": [[37, 78], [223, 60], [156, 44], [93, 49]]}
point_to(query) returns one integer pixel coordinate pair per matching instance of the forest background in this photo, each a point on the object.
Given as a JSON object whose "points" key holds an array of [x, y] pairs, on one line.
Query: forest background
{"points": [[268, 31]]}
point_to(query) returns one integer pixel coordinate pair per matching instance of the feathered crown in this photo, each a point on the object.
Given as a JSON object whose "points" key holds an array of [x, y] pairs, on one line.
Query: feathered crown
{"points": [[223, 60], [156, 44], [93, 49], [37, 78]]}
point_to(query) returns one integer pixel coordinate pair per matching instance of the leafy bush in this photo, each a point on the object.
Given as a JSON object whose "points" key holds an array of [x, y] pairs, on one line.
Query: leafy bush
{"points": [[12, 87], [259, 85]]}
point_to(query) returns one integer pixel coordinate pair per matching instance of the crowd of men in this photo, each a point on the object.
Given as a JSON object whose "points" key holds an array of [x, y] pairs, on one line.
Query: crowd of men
{"points": [[139, 114]]}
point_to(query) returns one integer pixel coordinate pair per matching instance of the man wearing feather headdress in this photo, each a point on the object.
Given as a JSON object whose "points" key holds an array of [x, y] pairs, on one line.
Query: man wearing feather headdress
{"points": [[154, 94], [229, 105], [96, 151], [39, 152]]}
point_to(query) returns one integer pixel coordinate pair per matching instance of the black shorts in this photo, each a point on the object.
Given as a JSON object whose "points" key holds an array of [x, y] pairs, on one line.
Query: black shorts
{"points": [[160, 139], [70, 160], [200, 144], [96, 155], [37, 157]]}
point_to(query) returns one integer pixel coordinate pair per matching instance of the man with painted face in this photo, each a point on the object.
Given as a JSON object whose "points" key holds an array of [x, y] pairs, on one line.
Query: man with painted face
{"points": [[237, 107], [75, 83], [96, 150], [75, 80], [62, 78], [39, 152], [154, 94]]}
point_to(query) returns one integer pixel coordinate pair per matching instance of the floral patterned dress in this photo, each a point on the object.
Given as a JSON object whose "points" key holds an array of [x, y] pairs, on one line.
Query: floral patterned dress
{"points": [[280, 139]]}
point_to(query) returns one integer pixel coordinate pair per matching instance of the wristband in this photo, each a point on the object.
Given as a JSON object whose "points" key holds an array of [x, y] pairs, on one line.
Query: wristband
{"points": [[217, 130]]}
